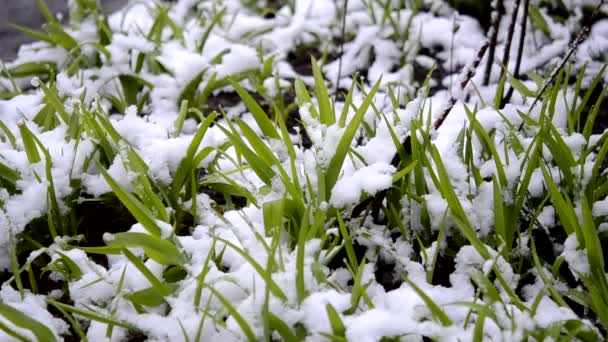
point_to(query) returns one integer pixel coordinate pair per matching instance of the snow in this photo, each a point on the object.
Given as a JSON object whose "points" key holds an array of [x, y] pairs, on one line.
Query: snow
{"points": [[369, 179], [245, 39], [33, 306], [575, 257]]}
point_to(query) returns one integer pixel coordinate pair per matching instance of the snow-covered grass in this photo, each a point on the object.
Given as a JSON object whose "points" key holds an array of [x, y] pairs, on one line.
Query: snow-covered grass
{"points": [[185, 171]]}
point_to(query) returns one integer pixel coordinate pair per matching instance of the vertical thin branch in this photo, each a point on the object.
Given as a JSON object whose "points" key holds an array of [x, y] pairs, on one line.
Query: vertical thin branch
{"points": [[497, 12], [520, 51], [342, 38], [507, 52]]}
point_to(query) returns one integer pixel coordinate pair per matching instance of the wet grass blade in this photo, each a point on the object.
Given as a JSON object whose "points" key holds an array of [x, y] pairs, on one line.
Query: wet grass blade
{"points": [[35, 34], [30, 69], [597, 284], [214, 21], [502, 229], [304, 97]]}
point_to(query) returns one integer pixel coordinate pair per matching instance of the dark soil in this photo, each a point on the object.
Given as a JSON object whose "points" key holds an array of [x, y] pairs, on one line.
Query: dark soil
{"points": [[439, 73], [221, 101]]}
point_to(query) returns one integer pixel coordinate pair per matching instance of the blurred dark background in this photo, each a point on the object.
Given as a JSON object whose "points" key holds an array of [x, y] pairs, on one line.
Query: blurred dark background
{"points": [[26, 13]]}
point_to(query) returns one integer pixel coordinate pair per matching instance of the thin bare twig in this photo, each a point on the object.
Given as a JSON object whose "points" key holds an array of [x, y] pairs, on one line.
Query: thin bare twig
{"points": [[465, 76]]}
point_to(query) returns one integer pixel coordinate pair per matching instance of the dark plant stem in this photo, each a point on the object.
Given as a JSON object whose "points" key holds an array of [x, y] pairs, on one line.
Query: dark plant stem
{"points": [[497, 12], [522, 38], [520, 51], [342, 38]]}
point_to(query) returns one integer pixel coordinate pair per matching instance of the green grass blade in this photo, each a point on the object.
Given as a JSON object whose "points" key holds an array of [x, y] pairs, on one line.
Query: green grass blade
{"points": [[9, 174], [347, 242], [155, 282], [235, 314], [146, 297], [539, 20], [159, 250], [135, 207], [35, 34], [403, 172], [29, 143], [335, 165], [187, 164], [214, 21], [335, 321], [256, 163], [90, 315], [53, 100], [458, 213], [278, 325], [21, 320], [589, 123], [181, 118], [436, 311], [258, 113], [564, 210], [301, 246], [326, 112], [274, 287], [304, 97], [499, 219], [46, 12], [489, 145], [347, 103]]}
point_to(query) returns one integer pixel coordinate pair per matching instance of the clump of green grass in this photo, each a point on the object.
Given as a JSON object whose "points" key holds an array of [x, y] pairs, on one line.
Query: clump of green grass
{"points": [[284, 228]]}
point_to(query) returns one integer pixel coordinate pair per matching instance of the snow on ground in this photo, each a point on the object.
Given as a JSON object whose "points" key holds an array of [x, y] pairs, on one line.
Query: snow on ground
{"points": [[242, 42]]}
